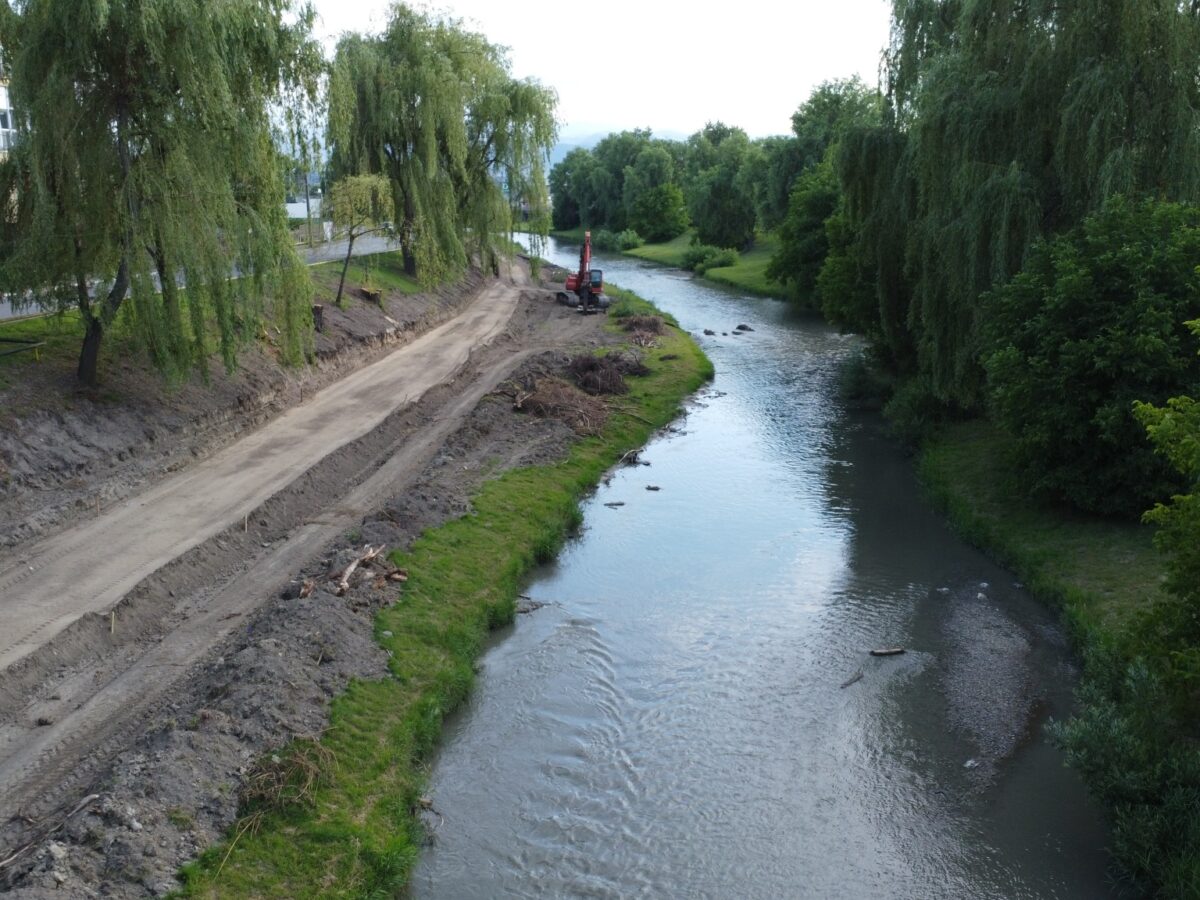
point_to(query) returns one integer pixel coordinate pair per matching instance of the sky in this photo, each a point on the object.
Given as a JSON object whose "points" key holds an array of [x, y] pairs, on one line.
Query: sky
{"points": [[670, 67]]}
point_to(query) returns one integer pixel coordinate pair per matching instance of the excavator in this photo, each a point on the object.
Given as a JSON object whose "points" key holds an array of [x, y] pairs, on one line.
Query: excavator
{"points": [[585, 288]]}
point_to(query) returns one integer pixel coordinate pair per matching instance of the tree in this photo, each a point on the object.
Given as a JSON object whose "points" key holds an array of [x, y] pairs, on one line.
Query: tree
{"points": [[833, 108], [660, 213], [1005, 122], [769, 176], [362, 204], [1089, 326], [722, 212], [433, 108], [654, 204], [147, 158], [803, 244]]}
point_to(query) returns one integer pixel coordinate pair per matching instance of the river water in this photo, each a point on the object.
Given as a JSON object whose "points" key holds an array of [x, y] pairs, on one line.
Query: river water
{"points": [[683, 719]]}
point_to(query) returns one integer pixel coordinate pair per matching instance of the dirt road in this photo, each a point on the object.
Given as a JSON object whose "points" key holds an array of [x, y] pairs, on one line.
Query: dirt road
{"points": [[119, 622], [90, 567]]}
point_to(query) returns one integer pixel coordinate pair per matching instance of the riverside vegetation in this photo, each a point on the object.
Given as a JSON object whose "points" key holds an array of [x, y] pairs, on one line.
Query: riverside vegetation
{"points": [[1019, 244], [357, 822]]}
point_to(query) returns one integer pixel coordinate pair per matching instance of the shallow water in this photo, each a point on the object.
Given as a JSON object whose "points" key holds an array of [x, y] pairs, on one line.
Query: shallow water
{"points": [[674, 723]]}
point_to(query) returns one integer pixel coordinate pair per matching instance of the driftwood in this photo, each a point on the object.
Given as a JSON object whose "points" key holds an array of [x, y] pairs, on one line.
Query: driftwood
{"points": [[367, 556], [888, 651]]}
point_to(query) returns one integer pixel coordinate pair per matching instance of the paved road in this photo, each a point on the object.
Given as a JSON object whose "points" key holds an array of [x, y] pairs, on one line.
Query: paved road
{"points": [[334, 250], [88, 568]]}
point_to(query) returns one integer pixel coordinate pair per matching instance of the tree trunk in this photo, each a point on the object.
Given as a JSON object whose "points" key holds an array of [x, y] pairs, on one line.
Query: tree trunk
{"points": [[406, 238], [345, 266], [89, 355]]}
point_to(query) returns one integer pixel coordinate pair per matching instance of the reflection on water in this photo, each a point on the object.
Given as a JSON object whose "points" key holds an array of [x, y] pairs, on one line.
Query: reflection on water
{"points": [[674, 722]]}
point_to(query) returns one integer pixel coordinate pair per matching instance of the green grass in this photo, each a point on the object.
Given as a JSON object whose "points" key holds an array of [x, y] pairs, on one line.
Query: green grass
{"points": [[62, 335], [574, 235], [749, 274], [667, 254], [1099, 571], [359, 836], [386, 273]]}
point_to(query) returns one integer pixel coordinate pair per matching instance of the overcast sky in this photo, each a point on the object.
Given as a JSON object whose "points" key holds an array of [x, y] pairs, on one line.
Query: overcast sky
{"points": [[620, 64]]}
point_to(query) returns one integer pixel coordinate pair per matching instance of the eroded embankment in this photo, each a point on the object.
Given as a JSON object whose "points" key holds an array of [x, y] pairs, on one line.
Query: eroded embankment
{"points": [[170, 780]]}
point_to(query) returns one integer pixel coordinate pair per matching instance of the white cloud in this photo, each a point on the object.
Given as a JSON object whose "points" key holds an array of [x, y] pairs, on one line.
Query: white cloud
{"points": [[670, 67]]}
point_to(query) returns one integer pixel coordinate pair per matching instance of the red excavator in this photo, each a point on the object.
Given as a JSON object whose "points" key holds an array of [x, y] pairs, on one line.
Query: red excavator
{"points": [[585, 288]]}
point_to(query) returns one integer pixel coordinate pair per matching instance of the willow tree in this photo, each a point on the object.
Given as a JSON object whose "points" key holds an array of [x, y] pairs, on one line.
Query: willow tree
{"points": [[433, 107], [1016, 118], [147, 161]]}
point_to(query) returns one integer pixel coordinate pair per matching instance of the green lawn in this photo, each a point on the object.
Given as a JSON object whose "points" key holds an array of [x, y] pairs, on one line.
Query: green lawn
{"points": [[1099, 570], [386, 273], [359, 835], [749, 275]]}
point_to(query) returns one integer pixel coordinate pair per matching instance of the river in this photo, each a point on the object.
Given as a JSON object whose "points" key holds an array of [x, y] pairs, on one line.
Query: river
{"points": [[685, 717]]}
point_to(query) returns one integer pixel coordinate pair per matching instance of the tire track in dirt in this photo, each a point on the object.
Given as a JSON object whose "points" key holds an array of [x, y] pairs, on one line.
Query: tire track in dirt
{"points": [[67, 754], [88, 568]]}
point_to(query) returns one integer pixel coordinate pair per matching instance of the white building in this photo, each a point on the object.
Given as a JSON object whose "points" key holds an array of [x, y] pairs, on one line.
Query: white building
{"points": [[8, 131]]}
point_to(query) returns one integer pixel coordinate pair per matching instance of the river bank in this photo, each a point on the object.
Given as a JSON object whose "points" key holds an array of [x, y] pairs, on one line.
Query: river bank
{"points": [[748, 274], [358, 825]]}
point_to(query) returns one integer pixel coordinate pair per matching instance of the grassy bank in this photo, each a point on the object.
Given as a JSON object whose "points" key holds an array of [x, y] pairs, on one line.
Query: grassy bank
{"points": [[1098, 571], [358, 835], [749, 274]]}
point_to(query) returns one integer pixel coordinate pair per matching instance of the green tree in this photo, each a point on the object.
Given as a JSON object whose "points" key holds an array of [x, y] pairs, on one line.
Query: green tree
{"points": [[819, 124], [362, 204], [432, 107], [148, 157], [1132, 739], [721, 210], [1091, 325], [1004, 122], [614, 156], [803, 243], [654, 204]]}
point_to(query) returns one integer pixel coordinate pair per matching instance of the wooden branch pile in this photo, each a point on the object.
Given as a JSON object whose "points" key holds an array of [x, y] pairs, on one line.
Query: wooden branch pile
{"points": [[370, 556]]}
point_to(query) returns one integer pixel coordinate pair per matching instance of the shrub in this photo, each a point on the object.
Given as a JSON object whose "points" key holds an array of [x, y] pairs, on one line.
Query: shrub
{"points": [[616, 241], [1092, 324], [702, 257]]}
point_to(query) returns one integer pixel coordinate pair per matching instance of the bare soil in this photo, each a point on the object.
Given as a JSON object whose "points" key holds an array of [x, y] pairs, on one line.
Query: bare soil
{"points": [[126, 740]]}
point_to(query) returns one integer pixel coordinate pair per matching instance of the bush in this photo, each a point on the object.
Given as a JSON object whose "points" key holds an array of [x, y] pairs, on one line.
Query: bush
{"points": [[1091, 325], [614, 242], [702, 257]]}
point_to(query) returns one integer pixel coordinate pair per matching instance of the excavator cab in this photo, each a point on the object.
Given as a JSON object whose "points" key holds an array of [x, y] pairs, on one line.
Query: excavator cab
{"points": [[585, 288]]}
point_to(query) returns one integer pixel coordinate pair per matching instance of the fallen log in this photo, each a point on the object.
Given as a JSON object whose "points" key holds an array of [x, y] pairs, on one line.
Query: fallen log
{"points": [[888, 651]]}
